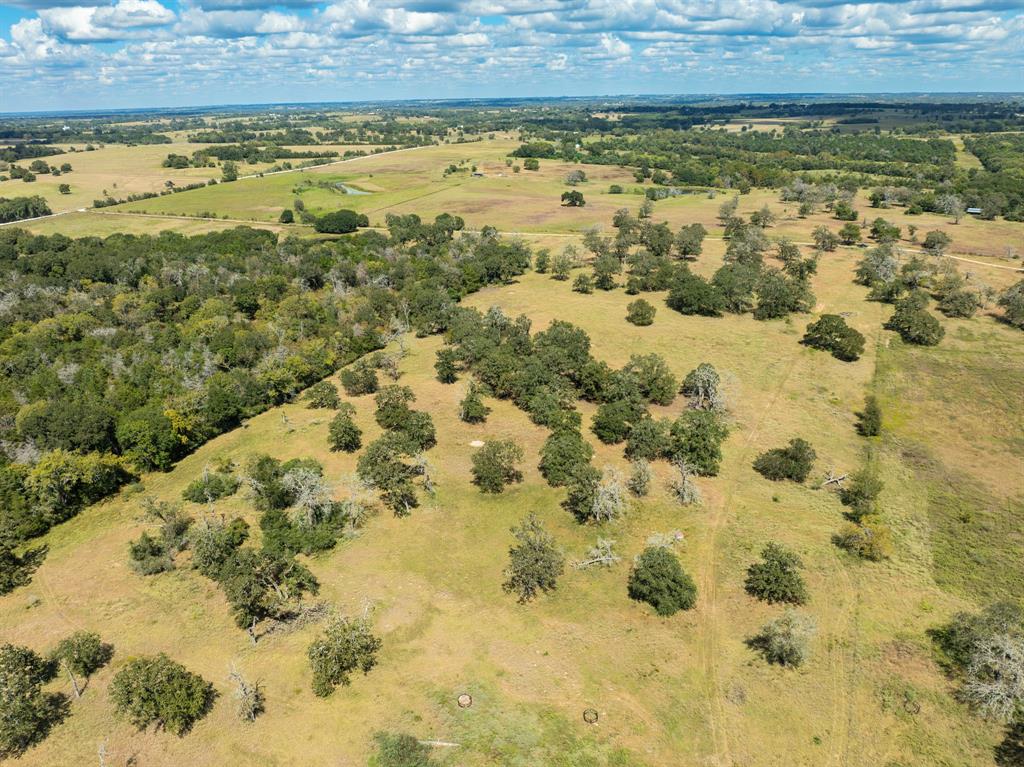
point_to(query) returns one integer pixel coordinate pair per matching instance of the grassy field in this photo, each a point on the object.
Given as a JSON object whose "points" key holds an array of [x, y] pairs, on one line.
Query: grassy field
{"points": [[670, 691], [117, 170]]}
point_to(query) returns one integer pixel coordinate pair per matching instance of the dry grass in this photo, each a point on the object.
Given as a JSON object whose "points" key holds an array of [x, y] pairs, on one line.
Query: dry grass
{"points": [[667, 689]]}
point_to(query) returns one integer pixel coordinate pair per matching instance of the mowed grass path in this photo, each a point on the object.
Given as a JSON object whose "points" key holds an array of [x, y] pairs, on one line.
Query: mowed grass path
{"points": [[681, 690]]}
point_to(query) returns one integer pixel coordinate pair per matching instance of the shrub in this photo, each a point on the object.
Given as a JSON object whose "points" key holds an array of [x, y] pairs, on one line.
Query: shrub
{"points": [[402, 750], [535, 562], [583, 284], [359, 379], [654, 381], [960, 303], [613, 421], [861, 492], [345, 646], [393, 407], [322, 394], [26, 712], [155, 689], [702, 386], [287, 216], [915, 325], [791, 462], [640, 313], [494, 465], [82, 654], [648, 439], [692, 294], [869, 538], [786, 639], [338, 222], [343, 433], [210, 487], [776, 578], [1012, 302], [696, 437], [832, 334], [869, 421], [639, 482], [447, 372], [658, 579], [472, 408], [16, 569], [562, 455]]}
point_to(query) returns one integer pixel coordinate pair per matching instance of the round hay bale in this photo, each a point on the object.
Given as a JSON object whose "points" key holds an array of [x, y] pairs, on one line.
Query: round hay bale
{"points": [[465, 700], [590, 715]]}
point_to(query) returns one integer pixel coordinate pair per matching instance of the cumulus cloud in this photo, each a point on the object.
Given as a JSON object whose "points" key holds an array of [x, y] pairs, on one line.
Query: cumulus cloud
{"points": [[269, 49], [120, 21]]}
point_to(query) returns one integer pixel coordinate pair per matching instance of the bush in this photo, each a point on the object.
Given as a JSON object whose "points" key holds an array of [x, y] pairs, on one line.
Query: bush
{"points": [[659, 580], [563, 454], [613, 421], [639, 482], [583, 284], [648, 439], [786, 639], [210, 487], [861, 492], [345, 646], [654, 381], [494, 465], [402, 750], [696, 437], [703, 386], [640, 313], [343, 433], [794, 462], [447, 372], [287, 216], [339, 222], [869, 421], [16, 569], [692, 294], [155, 689], [323, 394], [915, 325], [472, 408], [82, 654], [832, 334], [535, 562], [776, 578], [869, 538], [1012, 302], [359, 379], [26, 712]]}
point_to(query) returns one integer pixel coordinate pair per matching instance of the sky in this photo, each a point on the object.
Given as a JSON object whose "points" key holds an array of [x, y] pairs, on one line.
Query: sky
{"points": [[87, 54]]}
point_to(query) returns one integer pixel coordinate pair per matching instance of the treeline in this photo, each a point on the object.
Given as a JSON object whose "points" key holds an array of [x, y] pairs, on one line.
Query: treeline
{"points": [[123, 354], [19, 208], [251, 154], [27, 152]]}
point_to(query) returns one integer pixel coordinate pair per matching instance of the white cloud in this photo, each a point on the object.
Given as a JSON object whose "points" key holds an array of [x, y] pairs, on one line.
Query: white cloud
{"points": [[267, 49]]}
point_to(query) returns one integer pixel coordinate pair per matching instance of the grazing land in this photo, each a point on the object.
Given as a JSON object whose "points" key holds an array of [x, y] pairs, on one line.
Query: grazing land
{"points": [[181, 356]]}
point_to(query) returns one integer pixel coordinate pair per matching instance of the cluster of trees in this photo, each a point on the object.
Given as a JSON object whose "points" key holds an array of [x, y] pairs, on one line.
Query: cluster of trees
{"points": [[745, 283], [18, 208], [984, 651], [123, 354], [27, 710]]}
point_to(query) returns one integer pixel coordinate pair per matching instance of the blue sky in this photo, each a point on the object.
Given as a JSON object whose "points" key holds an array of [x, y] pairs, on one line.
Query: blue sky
{"points": [[74, 54]]}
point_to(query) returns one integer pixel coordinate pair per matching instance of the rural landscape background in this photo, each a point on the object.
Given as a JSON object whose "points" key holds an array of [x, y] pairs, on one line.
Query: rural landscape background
{"points": [[373, 391]]}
